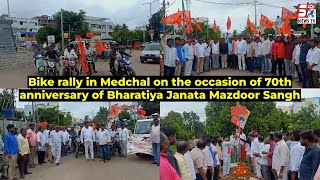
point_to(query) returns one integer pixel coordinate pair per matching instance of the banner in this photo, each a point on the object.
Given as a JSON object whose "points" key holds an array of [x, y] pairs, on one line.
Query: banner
{"points": [[140, 145]]}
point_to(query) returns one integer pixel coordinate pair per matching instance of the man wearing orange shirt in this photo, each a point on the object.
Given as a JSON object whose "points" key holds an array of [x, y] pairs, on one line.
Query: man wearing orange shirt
{"points": [[32, 139], [279, 53]]}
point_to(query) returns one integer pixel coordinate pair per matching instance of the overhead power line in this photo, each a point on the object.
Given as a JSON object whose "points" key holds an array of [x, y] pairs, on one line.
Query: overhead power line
{"points": [[225, 3]]}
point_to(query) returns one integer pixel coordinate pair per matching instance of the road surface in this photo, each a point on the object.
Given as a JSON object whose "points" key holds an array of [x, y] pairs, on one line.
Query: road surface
{"points": [[18, 78], [130, 168], [231, 72]]}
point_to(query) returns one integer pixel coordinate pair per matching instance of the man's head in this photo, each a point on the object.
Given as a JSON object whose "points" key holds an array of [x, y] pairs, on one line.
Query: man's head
{"points": [[71, 46], [265, 37], [189, 41], [87, 45], [271, 136], [170, 133], [257, 40], [86, 124], [182, 147], [303, 39], [215, 41], [123, 125], [208, 140], [240, 37], [31, 126], [57, 128], [251, 137], [314, 43], [23, 132], [214, 141], [287, 136], [10, 128], [102, 126], [164, 143], [183, 42], [260, 139], [72, 128], [177, 41], [316, 133], [113, 127], [278, 39], [296, 135], [40, 129], [15, 131], [277, 136], [201, 144], [51, 48], [271, 38], [170, 42], [307, 138], [249, 40], [156, 121]]}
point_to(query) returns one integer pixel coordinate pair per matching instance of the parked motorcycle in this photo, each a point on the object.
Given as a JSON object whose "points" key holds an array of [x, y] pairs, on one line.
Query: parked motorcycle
{"points": [[52, 67], [71, 67], [122, 67], [40, 64]]}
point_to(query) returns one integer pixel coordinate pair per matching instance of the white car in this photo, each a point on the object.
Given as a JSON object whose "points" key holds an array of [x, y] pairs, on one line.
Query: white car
{"points": [[151, 53]]}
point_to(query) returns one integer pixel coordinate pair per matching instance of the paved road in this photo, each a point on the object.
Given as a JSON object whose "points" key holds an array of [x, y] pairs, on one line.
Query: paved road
{"points": [[18, 78], [231, 72], [130, 168]]}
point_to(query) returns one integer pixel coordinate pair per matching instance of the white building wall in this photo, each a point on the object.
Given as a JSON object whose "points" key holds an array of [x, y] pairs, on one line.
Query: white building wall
{"points": [[296, 106]]}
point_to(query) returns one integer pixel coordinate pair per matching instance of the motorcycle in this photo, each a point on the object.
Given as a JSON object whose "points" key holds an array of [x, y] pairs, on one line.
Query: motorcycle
{"points": [[40, 64], [51, 67], [123, 66], [71, 67], [90, 61]]}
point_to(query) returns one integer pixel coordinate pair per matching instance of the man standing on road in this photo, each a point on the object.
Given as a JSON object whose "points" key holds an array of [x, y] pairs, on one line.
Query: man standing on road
{"points": [[304, 48], [124, 137], [48, 143], [182, 148], [56, 139], [24, 150], [11, 151], [215, 55], [181, 55], [32, 138], [313, 60], [200, 54], [198, 160], [155, 139], [241, 47], [87, 137], [223, 49], [280, 157], [190, 57], [266, 44], [104, 140], [65, 142], [41, 140]]}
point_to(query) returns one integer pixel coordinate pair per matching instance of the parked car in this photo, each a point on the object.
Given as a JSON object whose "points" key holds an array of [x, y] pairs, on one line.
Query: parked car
{"points": [[151, 53]]}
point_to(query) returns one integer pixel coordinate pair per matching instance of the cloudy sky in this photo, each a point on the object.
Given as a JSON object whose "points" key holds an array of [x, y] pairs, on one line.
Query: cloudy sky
{"points": [[238, 13], [131, 12], [198, 107]]}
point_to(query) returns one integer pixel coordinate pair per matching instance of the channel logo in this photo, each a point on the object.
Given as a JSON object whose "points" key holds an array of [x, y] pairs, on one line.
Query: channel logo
{"points": [[307, 14]]}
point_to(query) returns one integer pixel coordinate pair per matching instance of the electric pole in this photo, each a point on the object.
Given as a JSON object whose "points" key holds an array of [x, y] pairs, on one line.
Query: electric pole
{"points": [[8, 4], [255, 12], [33, 114], [184, 31], [62, 33]]}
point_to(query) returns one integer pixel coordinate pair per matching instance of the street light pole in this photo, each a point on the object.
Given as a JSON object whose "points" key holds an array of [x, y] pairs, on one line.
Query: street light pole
{"points": [[8, 3], [62, 33]]}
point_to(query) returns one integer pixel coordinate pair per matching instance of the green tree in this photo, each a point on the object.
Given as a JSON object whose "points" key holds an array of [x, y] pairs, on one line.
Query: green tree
{"points": [[54, 116], [175, 120], [19, 114], [6, 100], [235, 32], [102, 115], [150, 107], [66, 119], [304, 119], [45, 31], [154, 24], [270, 31], [246, 33], [124, 115], [121, 33]]}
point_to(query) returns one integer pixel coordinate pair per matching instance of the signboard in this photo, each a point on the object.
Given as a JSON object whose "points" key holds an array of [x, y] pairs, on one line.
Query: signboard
{"points": [[307, 14], [140, 145], [241, 120], [51, 40], [66, 35], [238, 110], [151, 32]]}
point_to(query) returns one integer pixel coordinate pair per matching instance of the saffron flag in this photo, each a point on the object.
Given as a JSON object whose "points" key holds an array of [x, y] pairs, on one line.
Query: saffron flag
{"points": [[229, 23], [288, 13], [266, 22], [99, 46], [83, 59], [189, 29], [198, 27], [172, 19], [215, 29], [286, 29], [186, 16], [304, 26], [89, 35], [278, 29], [251, 26], [115, 110]]}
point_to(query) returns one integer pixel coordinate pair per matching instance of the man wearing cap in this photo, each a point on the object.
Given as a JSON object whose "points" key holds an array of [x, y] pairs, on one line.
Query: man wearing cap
{"points": [[11, 151], [124, 136], [32, 139]]}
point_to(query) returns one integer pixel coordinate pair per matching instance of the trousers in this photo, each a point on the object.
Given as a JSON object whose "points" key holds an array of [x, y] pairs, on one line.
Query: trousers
{"points": [[123, 145], [12, 163], [88, 146], [56, 152], [226, 164]]}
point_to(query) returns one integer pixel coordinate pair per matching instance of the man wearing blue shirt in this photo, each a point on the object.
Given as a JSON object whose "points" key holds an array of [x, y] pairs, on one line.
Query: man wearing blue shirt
{"points": [[11, 151], [181, 55], [304, 48]]}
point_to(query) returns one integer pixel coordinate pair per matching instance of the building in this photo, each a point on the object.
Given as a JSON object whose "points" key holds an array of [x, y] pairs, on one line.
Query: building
{"points": [[286, 109], [307, 102], [28, 108], [44, 20], [24, 29], [102, 28], [201, 19]]}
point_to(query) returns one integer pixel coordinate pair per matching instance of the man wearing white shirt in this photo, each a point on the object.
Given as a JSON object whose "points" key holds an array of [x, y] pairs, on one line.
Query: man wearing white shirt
{"points": [[87, 137], [215, 54], [48, 146], [241, 48], [226, 152], [296, 57], [266, 44], [104, 137], [155, 139], [56, 139], [69, 52], [190, 57], [257, 154], [208, 159], [280, 158], [254, 149], [170, 57], [200, 54], [258, 48], [207, 56], [124, 136], [41, 140], [190, 164], [263, 160], [296, 154], [65, 136], [313, 60]]}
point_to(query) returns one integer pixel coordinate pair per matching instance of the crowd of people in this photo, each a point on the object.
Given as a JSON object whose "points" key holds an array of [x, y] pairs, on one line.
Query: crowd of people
{"points": [[50, 143], [289, 156], [263, 55]]}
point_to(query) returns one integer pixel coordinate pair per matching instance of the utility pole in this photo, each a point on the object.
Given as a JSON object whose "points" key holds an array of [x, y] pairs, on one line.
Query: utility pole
{"points": [[33, 114], [8, 4], [255, 12], [312, 31], [144, 33], [184, 31], [62, 33]]}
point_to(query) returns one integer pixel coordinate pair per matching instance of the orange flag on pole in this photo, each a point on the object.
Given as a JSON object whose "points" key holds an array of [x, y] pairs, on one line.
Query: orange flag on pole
{"points": [[251, 26], [215, 29], [288, 13], [172, 19], [266, 22], [198, 27], [99, 46], [229, 23], [186, 16], [189, 29], [83, 59], [89, 35], [286, 29]]}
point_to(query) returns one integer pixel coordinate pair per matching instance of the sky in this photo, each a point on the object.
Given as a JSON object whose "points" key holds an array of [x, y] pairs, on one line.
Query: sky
{"points": [[238, 13], [198, 107], [130, 12]]}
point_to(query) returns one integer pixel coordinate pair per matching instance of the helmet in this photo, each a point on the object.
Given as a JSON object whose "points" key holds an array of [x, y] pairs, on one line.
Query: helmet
{"points": [[113, 43]]}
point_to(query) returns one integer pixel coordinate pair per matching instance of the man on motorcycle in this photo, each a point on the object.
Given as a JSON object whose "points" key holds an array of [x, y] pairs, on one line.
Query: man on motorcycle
{"points": [[69, 53], [53, 54], [116, 49], [89, 52], [37, 52]]}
